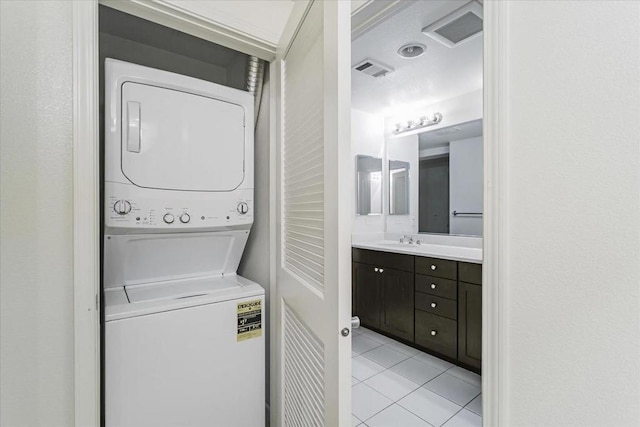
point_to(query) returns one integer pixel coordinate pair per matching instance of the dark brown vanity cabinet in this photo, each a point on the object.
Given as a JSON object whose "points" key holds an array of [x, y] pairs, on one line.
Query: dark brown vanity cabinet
{"points": [[435, 304], [470, 314], [436, 308], [396, 316], [383, 291], [366, 294]]}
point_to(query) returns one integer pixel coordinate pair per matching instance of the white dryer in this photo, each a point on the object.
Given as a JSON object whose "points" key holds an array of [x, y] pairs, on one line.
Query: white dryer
{"points": [[184, 341]]}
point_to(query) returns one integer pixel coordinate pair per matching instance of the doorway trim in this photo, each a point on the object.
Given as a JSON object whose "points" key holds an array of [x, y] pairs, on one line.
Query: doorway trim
{"points": [[86, 179], [494, 271], [86, 215], [216, 31]]}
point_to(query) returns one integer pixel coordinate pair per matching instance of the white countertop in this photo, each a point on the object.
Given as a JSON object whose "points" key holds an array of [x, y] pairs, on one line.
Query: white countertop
{"points": [[464, 249]]}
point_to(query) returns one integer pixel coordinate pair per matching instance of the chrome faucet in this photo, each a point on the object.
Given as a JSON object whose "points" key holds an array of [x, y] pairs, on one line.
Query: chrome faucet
{"points": [[404, 236]]}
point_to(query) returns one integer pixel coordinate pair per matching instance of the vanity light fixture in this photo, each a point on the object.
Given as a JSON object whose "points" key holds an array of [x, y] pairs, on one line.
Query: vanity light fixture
{"points": [[422, 122]]}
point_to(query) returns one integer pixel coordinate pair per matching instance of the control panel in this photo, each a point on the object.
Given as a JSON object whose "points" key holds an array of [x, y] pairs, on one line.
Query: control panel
{"points": [[203, 211]]}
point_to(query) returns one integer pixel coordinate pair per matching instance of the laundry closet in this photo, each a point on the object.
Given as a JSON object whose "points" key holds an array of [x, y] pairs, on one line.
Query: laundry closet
{"points": [[184, 314]]}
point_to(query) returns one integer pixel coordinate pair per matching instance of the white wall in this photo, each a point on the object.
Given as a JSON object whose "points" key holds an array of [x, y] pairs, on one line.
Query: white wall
{"points": [[465, 185], [572, 211], [36, 228], [367, 138]]}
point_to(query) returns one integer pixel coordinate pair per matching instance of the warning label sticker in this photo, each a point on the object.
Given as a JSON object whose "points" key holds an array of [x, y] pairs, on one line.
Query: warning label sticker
{"points": [[249, 319]]}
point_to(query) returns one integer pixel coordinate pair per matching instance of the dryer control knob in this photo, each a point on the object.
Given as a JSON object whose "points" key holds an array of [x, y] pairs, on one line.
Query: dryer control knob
{"points": [[122, 207], [168, 218], [185, 218], [243, 208]]}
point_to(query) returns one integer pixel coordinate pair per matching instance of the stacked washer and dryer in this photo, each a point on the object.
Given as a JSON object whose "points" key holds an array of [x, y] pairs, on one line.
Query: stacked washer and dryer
{"points": [[183, 337]]}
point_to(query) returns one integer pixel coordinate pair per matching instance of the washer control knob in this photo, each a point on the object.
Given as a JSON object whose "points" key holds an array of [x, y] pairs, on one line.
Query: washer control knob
{"points": [[122, 207], [168, 218], [185, 218], [243, 208]]}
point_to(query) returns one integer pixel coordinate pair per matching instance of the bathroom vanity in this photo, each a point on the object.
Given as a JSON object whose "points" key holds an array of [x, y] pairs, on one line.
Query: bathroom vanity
{"points": [[429, 302]]}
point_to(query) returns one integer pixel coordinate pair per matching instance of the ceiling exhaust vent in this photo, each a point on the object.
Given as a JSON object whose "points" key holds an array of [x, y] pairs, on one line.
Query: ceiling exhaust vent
{"points": [[373, 68], [459, 26]]}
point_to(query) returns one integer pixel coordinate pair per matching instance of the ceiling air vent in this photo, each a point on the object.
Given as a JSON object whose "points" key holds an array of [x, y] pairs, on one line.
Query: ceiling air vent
{"points": [[459, 26], [373, 68]]}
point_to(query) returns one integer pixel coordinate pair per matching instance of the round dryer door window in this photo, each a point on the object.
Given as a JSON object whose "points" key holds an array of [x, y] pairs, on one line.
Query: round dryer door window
{"points": [[175, 140]]}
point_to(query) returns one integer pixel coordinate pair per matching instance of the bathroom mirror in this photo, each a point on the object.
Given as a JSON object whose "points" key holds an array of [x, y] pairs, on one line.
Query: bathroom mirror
{"points": [[368, 185], [450, 180], [398, 187]]}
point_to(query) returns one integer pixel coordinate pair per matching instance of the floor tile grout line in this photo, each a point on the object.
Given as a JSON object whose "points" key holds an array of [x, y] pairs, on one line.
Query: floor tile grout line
{"points": [[446, 398], [471, 410], [449, 419], [396, 402], [382, 365], [404, 360], [462, 407], [390, 342], [425, 383], [427, 363], [364, 421], [462, 379], [424, 363], [433, 391], [373, 348], [411, 412]]}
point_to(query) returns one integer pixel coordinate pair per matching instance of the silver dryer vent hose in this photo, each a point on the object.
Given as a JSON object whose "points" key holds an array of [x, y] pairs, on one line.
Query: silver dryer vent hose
{"points": [[255, 78]]}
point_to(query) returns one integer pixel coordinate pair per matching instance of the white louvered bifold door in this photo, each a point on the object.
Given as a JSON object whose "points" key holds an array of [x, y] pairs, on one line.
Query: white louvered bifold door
{"points": [[311, 305]]}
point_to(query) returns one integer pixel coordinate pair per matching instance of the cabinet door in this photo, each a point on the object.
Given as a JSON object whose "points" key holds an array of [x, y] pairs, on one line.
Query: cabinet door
{"points": [[436, 333], [470, 324], [397, 303], [366, 284]]}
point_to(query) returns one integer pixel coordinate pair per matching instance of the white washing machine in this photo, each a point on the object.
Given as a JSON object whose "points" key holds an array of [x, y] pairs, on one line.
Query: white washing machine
{"points": [[184, 334]]}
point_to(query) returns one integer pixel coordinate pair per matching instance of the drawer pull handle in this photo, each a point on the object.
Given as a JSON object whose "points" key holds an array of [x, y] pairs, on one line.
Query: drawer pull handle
{"points": [[434, 333], [375, 269], [433, 267], [433, 305], [381, 270], [433, 286]]}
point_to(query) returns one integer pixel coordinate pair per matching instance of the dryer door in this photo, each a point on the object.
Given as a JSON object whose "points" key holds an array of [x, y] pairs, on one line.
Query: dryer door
{"points": [[175, 140]]}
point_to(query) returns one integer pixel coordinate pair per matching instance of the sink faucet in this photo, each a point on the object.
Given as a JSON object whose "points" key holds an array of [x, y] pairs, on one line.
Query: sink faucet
{"points": [[402, 239]]}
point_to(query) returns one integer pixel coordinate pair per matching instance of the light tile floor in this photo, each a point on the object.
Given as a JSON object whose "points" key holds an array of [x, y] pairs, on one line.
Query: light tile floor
{"points": [[395, 385]]}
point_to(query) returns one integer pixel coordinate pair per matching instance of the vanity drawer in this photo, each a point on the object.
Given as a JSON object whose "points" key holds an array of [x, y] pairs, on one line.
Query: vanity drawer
{"points": [[437, 333], [383, 259], [438, 286], [436, 267], [436, 305], [470, 273]]}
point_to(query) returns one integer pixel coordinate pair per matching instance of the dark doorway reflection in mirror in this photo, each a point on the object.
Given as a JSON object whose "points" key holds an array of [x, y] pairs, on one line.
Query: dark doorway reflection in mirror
{"points": [[433, 201]]}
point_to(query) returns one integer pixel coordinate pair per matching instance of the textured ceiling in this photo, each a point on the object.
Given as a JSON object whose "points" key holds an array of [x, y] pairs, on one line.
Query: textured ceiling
{"points": [[440, 73]]}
